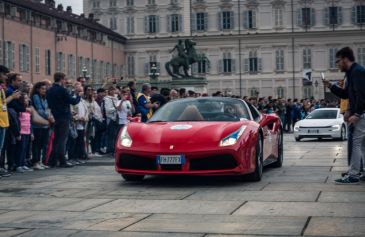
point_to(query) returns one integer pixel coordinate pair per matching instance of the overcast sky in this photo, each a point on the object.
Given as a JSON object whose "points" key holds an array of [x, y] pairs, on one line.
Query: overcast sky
{"points": [[75, 4]]}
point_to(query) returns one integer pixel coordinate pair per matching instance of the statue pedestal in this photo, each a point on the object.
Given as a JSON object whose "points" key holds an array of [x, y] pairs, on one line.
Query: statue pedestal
{"points": [[196, 84]]}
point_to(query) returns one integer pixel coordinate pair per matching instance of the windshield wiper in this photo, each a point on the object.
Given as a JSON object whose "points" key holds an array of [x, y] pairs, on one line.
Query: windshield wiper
{"points": [[157, 121]]}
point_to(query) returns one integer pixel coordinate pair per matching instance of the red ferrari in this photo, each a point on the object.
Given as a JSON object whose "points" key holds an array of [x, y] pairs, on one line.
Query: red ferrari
{"points": [[201, 136]]}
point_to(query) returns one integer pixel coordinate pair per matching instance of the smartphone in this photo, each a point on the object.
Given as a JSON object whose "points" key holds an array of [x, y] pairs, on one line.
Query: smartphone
{"points": [[322, 75]]}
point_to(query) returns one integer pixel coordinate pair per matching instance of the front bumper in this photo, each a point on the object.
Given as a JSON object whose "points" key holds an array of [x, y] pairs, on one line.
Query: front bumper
{"points": [[327, 132], [222, 162]]}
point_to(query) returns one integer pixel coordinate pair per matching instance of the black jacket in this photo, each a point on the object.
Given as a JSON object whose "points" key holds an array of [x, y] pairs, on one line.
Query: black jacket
{"points": [[59, 101], [354, 90]]}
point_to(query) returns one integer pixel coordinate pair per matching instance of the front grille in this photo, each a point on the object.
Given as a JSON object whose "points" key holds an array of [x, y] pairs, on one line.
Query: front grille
{"points": [[213, 163], [128, 161], [171, 167], [315, 127]]}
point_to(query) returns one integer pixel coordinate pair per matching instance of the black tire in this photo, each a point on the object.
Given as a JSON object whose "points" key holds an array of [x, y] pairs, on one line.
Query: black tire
{"points": [[297, 139], [343, 133], [279, 162], [257, 174], [132, 177]]}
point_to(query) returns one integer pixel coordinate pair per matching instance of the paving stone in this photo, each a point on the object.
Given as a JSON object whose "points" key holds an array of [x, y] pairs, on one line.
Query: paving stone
{"points": [[275, 196], [67, 204], [259, 225], [46, 232], [9, 232], [169, 206], [148, 194], [303, 209], [131, 234], [352, 197], [324, 226], [314, 187]]}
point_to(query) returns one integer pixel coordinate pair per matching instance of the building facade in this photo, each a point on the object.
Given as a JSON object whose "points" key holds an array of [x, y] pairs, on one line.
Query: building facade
{"points": [[254, 46], [37, 39]]}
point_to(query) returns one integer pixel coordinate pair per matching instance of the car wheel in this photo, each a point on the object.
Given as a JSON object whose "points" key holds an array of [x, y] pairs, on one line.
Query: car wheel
{"points": [[343, 133], [279, 162], [297, 139], [132, 177], [257, 174]]}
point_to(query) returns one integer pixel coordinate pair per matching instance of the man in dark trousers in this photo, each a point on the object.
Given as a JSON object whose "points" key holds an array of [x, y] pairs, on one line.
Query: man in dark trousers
{"points": [[355, 114], [59, 101]]}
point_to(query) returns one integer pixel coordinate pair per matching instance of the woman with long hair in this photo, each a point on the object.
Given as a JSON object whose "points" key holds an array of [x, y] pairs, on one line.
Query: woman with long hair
{"points": [[41, 132]]}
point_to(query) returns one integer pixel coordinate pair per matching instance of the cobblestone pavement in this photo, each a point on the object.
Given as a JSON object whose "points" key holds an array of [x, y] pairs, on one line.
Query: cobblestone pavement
{"points": [[92, 200]]}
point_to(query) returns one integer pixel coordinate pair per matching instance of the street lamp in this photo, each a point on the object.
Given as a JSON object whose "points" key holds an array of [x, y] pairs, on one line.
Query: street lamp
{"points": [[84, 71], [153, 71]]}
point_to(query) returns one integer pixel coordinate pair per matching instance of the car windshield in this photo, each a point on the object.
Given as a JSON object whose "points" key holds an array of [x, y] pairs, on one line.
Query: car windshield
{"points": [[323, 114], [202, 109]]}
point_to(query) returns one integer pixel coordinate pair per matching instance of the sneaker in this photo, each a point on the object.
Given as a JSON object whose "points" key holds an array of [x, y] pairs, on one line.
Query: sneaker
{"points": [[19, 170], [103, 150], [4, 173], [26, 168], [347, 180], [362, 176], [37, 166], [81, 162], [44, 166]]}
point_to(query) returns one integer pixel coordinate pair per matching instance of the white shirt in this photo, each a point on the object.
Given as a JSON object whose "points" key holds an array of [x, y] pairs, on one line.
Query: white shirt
{"points": [[123, 113], [82, 112], [111, 104]]}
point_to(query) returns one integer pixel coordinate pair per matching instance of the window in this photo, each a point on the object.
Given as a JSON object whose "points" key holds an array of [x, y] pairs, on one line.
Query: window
{"points": [[130, 3], [60, 62], [10, 55], [333, 16], [253, 64], [23, 58], [307, 92], [108, 69], [71, 66], [202, 67], [37, 60], [131, 65], [279, 56], [113, 23], [175, 23], [249, 19], [226, 20], [361, 56], [48, 61], [113, 3], [306, 17], [278, 16], [96, 4], [227, 64], [81, 65], [152, 24], [130, 25], [151, 2], [1, 49], [332, 58], [307, 59], [201, 21], [101, 70], [280, 92], [174, 2], [95, 71], [358, 14]]}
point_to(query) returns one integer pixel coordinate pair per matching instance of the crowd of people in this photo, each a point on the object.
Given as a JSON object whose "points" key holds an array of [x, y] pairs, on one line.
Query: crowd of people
{"points": [[65, 123]]}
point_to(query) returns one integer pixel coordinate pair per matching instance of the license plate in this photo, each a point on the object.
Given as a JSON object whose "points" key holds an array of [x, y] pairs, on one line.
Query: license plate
{"points": [[170, 159], [313, 131]]}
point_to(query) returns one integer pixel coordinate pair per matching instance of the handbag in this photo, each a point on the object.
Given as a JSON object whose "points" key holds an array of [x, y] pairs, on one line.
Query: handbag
{"points": [[37, 119]]}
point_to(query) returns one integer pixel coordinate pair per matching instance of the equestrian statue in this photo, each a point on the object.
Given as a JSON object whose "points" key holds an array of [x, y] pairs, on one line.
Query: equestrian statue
{"points": [[186, 56]]}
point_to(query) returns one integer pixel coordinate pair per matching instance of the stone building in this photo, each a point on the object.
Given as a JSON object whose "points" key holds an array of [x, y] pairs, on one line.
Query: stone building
{"points": [[38, 39], [254, 46]]}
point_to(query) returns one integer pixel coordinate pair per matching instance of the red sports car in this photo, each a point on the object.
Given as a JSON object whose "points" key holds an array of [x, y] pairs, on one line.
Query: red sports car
{"points": [[201, 136]]}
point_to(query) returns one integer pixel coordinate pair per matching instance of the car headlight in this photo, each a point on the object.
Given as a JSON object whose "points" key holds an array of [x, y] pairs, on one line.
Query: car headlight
{"points": [[233, 137], [125, 139], [296, 128], [336, 127]]}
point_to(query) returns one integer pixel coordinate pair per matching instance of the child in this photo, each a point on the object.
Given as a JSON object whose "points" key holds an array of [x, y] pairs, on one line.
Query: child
{"points": [[26, 136]]}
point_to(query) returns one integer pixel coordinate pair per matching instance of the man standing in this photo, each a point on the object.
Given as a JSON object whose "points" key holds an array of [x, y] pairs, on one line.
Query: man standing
{"points": [[145, 107], [355, 114], [59, 101]]}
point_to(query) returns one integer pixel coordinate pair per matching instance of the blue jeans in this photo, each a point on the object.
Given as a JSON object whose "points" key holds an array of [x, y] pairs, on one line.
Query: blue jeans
{"points": [[358, 148], [22, 150], [2, 137]]}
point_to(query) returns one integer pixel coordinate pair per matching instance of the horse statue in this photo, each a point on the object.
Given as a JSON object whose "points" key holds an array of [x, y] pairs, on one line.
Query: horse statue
{"points": [[186, 56]]}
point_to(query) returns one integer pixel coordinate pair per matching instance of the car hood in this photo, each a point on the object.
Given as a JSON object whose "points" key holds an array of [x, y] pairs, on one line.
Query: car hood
{"points": [[182, 132], [318, 122]]}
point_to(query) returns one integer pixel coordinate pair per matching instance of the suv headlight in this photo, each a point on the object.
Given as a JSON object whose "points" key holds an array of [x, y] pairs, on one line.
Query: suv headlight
{"points": [[336, 127], [125, 139], [296, 128], [233, 137]]}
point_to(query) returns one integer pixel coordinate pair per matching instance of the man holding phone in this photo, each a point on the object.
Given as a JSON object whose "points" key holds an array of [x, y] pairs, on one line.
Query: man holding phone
{"points": [[355, 114]]}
